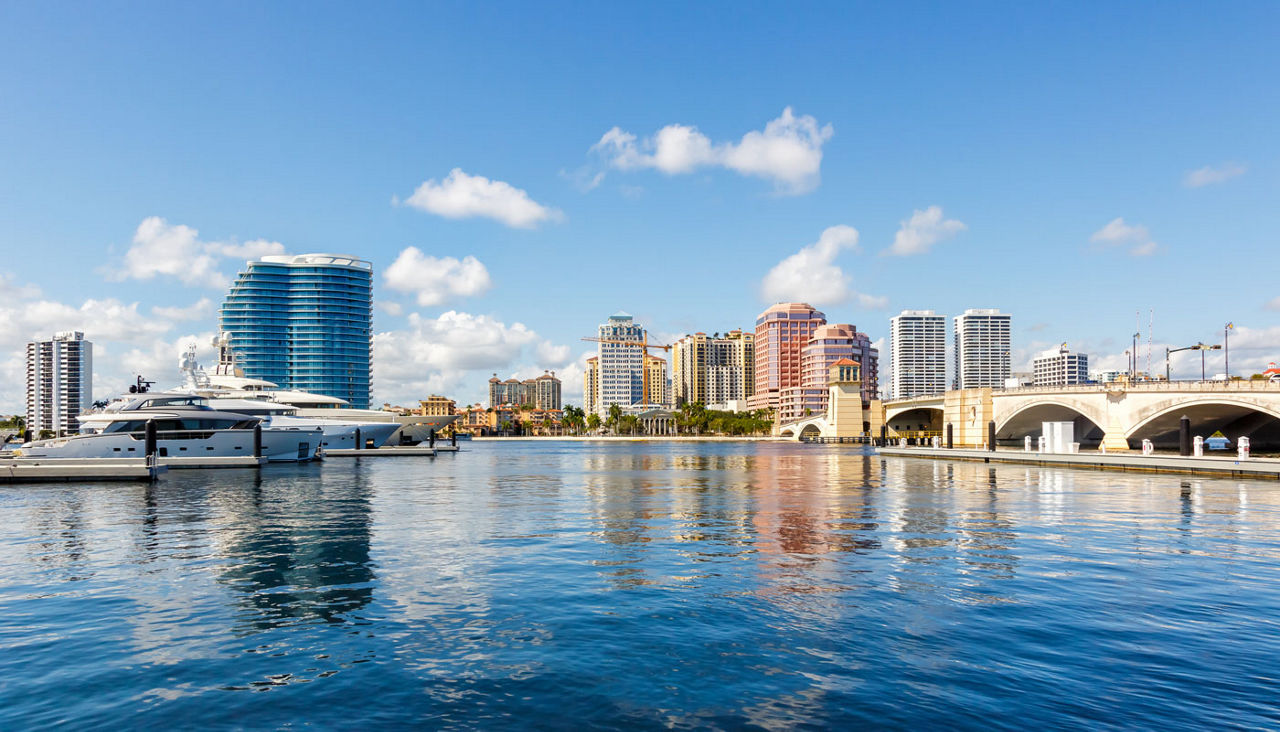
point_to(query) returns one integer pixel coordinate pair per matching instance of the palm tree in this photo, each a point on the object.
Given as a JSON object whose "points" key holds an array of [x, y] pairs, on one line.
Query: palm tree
{"points": [[593, 422], [615, 415]]}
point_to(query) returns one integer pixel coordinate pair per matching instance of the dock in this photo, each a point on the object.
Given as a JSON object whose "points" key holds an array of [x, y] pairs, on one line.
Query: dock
{"points": [[198, 462], [407, 451], [1232, 467], [18, 470]]}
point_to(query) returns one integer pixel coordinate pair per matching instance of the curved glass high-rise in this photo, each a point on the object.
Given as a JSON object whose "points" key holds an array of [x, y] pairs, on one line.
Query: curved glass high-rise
{"points": [[305, 322]]}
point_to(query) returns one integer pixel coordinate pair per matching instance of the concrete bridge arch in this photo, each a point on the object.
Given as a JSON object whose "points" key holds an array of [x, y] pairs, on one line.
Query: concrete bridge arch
{"points": [[1233, 415]]}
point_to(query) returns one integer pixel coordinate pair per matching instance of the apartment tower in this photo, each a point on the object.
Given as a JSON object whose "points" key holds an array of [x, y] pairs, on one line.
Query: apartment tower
{"points": [[305, 322], [59, 382], [1060, 367], [982, 349], [713, 370], [782, 331], [621, 363], [918, 348]]}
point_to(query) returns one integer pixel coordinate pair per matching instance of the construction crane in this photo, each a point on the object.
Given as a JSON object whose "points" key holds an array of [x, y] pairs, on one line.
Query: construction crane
{"points": [[644, 367]]}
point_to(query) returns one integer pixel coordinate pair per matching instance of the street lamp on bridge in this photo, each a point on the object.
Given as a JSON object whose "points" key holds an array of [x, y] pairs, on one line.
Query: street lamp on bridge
{"points": [[1201, 347]]}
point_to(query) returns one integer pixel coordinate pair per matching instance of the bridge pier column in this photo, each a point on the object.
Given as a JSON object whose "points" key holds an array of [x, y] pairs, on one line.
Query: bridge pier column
{"points": [[1114, 441]]}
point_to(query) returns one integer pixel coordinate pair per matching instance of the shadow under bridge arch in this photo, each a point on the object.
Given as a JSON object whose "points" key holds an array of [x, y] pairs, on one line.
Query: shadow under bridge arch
{"points": [[1028, 422], [1232, 418]]}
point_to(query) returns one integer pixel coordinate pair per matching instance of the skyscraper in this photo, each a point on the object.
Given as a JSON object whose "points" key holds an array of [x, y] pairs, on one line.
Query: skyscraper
{"points": [[591, 386], [59, 382], [713, 370], [621, 363], [305, 322], [982, 349], [782, 331], [918, 346]]}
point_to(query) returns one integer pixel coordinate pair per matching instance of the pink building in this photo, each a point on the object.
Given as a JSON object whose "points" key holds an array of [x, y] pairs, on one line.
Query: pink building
{"points": [[782, 332], [828, 344]]}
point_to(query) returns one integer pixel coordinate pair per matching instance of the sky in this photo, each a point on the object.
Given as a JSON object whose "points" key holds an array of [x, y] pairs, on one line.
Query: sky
{"points": [[516, 172]]}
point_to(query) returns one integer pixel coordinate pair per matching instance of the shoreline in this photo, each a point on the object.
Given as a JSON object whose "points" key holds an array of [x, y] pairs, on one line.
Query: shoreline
{"points": [[634, 438]]}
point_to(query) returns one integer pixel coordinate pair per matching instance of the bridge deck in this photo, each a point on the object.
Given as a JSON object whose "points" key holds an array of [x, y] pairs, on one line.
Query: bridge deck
{"points": [[1221, 466]]}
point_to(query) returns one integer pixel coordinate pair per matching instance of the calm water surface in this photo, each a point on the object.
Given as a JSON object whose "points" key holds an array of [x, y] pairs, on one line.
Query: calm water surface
{"points": [[731, 585]]}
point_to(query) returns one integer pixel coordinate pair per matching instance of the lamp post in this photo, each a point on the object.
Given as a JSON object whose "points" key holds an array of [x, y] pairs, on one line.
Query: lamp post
{"points": [[1226, 350], [1133, 372]]}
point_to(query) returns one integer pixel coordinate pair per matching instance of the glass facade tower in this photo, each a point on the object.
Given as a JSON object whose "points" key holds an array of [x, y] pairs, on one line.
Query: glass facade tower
{"points": [[305, 322]]}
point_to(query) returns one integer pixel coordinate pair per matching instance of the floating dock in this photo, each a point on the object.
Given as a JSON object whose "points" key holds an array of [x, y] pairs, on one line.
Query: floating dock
{"points": [[37, 470], [1221, 466], [407, 451], [194, 462]]}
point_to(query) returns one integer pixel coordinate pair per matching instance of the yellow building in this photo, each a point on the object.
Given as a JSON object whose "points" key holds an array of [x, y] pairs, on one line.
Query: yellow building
{"points": [[437, 406], [656, 375], [713, 370]]}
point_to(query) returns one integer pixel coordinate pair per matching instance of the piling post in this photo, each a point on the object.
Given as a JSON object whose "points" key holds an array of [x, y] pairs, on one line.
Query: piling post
{"points": [[950, 441], [257, 440], [1184, 436], [991, 436], [431, 438], [359, 441], [884, 435], [453, 438], [150, 440]]}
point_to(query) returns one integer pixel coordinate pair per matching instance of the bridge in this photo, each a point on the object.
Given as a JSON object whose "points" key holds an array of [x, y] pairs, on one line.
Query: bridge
{"points": [[1117, 415]]}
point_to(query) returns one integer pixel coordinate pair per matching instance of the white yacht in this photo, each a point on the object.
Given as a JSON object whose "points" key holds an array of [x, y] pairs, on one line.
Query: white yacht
{"points": [[336, 433], [377, 427], [183, 420]]}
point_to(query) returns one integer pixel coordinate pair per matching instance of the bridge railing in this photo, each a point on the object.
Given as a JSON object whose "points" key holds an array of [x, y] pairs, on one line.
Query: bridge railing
{"points": [[1152, 386]]}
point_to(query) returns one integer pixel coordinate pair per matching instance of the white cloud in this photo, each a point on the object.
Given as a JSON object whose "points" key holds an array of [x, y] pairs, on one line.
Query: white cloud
{"points": [[1272, 304], [163, 249], [248, 250], [1118, 233], [872, 302], [437, 280], [462, 196], [1211, 175], [919, 233], [811, 275], [787, 152], [195, 311]]}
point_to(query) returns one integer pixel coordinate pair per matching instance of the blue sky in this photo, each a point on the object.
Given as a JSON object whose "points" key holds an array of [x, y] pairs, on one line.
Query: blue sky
{"points": [[147, 149]]}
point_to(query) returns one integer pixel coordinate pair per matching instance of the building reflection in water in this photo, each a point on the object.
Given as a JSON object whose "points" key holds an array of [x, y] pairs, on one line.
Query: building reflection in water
{"points": [[298, 550]]}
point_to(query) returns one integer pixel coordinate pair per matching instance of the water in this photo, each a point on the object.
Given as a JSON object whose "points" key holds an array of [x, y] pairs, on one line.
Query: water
{"points": [[730, 585]]}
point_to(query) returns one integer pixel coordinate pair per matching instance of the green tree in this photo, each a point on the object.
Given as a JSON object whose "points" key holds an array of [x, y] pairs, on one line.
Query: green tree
{"points": [[615, 416], [593, 422]]}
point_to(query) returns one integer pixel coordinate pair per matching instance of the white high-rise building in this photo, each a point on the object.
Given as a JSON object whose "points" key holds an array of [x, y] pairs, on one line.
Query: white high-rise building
{"points": [[621, 379], [1060, 367], [59, 382], [918, 349], [982, 349]]}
